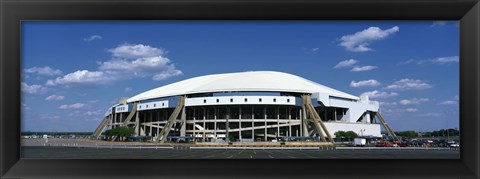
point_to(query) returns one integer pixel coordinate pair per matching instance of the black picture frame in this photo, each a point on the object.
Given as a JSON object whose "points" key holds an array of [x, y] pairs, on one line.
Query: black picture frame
{"points": [[14, 11]]}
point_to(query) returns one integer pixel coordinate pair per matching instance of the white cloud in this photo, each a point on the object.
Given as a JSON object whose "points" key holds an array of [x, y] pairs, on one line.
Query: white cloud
{"points": [[388, 103], [346, 63], [166, 74], [72, 106], [315, 49], [132, 51], [92, 113], [430, 114], [363, 68], [379, 94], [411, 110], [144, 64], [47, 71], [413, 101], [85, 113], [127, 89], [158, 67], [55, 97], [32, 89], [49, 116], [453, 101], [92, 38], [82, 77], [437, 60], [364, 83], [443, 60], [409, 84], [359, 41], [400, 110], [448, 102]]}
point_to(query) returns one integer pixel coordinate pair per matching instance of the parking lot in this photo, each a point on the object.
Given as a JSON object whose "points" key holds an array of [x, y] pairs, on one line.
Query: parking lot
{"points": [[186, 153]]}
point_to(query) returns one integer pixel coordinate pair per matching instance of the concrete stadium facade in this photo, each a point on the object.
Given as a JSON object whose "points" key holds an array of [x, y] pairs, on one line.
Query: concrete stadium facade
{"points": [[246, 107]]}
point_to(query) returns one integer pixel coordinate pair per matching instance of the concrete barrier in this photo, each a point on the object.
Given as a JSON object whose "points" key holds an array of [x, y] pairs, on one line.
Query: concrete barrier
{"points": [[391, 148], [259, 148]]}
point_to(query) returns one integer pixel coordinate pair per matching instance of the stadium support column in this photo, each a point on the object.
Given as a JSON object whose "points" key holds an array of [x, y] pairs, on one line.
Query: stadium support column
{"points": [[171, 120], [150, 121], [114, 118], [300, 127], [184, 122], [253, 126], [142, 128], [194, 125], [215, 123], [204, 125], [101, 127], [265, 126], [316, 120], [227, 126], [278, 122], [385, 125], [137, 123], [289, 122], [303, 126]]}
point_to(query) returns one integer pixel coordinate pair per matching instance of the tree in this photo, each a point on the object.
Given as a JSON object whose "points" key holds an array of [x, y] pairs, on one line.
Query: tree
{"points": [[407, 134], [340, 135], [120, 132], [348, 134]]}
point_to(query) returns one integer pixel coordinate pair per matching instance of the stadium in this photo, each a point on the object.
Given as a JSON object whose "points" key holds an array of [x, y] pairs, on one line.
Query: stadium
{"points": [[245, 107]]}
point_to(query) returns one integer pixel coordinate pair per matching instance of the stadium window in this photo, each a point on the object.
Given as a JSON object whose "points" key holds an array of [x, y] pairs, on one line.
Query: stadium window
{"points": [[259, 99], [288, 100], [217, 100], [154, 105], [163, 104], [274, 100], [147, 105], [204, 101], [245, 99], [231, 99]]}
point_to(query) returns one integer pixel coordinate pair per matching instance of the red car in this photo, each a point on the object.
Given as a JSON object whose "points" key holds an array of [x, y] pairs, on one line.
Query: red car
{"points": [[400, 144], [383, 144]]}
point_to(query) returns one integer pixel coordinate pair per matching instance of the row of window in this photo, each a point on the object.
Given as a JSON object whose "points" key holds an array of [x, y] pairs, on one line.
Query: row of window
{"points": [[246, 100], [121, 108], [154, 105]]}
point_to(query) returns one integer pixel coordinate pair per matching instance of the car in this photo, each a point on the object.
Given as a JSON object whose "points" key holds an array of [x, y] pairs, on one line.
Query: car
{"points": [[400, 144], [455, 145], [383, 144]]}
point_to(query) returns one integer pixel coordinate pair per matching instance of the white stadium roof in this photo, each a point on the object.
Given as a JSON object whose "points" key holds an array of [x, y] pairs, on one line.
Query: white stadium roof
{"points": [[258, 81]]}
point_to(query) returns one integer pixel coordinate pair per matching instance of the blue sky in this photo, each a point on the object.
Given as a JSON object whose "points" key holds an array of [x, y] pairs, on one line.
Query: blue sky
{"points": [[74, 71]]}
